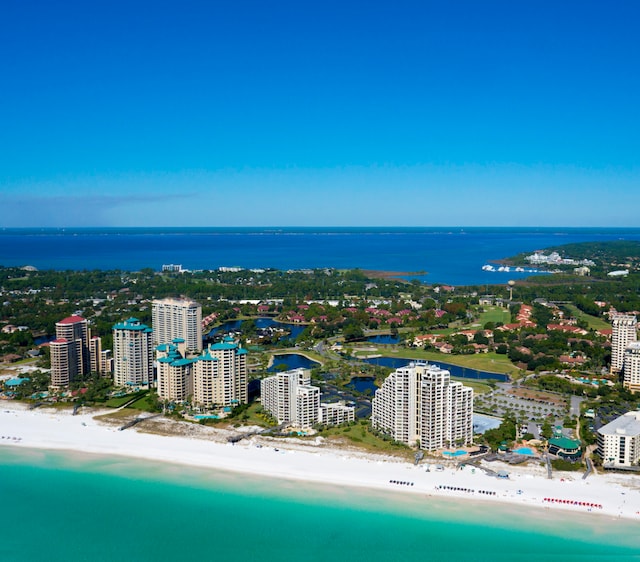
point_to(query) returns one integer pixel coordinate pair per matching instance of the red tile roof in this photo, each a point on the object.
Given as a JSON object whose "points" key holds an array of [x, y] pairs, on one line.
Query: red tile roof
{"points": [[71, 320]]}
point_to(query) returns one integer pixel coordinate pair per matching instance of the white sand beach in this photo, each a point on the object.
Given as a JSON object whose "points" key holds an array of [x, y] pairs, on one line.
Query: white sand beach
{"points": [[617, 494]]}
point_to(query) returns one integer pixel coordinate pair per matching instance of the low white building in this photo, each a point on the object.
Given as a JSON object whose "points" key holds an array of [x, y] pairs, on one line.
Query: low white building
{"points": [[336, 413], [619, 441]]}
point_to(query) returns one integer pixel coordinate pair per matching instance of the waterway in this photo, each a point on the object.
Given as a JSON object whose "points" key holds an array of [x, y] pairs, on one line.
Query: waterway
{"points": [[455, 370]]}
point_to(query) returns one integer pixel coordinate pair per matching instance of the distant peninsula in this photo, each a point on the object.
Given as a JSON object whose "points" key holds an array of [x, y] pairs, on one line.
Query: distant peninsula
{"points": [[619, 258]]}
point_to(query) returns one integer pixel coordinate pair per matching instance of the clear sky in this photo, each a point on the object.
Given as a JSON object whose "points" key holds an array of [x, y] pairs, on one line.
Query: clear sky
{"points": [[310, 113]]}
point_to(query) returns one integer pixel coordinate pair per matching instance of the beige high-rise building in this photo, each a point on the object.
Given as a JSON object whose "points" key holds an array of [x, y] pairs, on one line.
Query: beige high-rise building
{"points": [[177, 318], [623, 331], [62, 368], [69, 351], [420, 404], [631, 367], [220, 375], [175, 380], [95, 355], [132, 353]]}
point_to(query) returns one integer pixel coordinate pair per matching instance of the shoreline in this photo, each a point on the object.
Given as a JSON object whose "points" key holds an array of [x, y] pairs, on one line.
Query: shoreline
{"points": [[293, 461]]}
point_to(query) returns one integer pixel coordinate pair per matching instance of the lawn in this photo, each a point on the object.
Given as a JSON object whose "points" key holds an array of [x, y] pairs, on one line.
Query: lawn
{"points": [[361, 437], [478, 387], [122, 400], [593, 321], [146, 403], [495, 314]]}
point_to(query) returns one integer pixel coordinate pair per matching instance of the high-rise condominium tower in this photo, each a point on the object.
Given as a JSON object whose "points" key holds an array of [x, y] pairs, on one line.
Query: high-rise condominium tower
{"points": [[420, 404], [69, 351], [132, 353], [220, 375], [177, 319], [623, 332]]}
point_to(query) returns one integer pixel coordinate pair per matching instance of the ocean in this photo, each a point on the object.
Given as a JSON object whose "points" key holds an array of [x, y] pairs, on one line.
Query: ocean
{"points": [[447, 255], [77, 507]]}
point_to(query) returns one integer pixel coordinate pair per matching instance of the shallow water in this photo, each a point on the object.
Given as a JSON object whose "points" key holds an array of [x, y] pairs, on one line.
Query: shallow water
{"points": [[84, 507]]}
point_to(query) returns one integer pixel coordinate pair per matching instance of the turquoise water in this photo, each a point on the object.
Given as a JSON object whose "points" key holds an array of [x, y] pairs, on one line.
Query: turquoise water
{"points": [[72, 508], [524, 451], [458, 453]]}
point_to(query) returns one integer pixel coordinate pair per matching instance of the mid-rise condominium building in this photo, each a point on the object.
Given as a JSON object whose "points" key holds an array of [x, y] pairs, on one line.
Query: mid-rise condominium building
{"points": [[623, 332], [419, 404], [631, 367], [290, 398], [336, 413], [619, 441], [177, 318], [132, 353], [220, 375], [175, 381], [71, 351]]}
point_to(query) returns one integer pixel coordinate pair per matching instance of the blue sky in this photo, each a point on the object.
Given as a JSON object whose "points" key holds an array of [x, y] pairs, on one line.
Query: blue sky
{"points": [[242, 113]]}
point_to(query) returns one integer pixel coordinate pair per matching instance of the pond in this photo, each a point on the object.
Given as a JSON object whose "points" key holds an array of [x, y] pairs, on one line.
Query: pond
{"points": [[455, 370], [261, 324], [362, 384], [289, 361], [386, 339]]}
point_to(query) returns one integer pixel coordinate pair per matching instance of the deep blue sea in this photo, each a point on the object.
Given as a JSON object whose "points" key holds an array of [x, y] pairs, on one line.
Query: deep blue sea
{"points": [[448, 255]]}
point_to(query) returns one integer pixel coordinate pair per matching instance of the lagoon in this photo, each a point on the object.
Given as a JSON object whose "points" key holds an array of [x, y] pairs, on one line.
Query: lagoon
{"points": [[455, 370]]}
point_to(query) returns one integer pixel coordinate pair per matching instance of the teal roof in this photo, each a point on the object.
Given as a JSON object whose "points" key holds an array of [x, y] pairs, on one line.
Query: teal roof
{"points": [[206, 357], [177, 340], [564, 443], [182, 362], [223, 346], [242, 351], [132, 324]]}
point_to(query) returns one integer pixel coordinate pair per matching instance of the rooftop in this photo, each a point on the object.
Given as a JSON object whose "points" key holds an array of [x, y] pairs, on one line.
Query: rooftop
{"points": [[71, 320], [628, 424]]}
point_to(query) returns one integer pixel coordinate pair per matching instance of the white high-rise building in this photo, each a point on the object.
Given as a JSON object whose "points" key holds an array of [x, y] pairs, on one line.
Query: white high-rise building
{"points": [[619, 441], [623, 332], [290, 398], [132, 353], [220, 375], [420, 404], [177, 318], [631, 367]]}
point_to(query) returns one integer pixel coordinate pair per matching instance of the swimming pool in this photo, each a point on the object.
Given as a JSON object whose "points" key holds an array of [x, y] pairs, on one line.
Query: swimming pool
{"points": [[524, 451], [458, 453], [206, 417]]}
